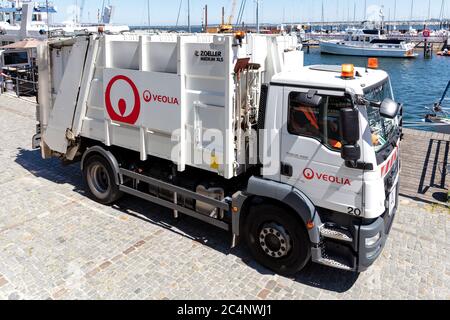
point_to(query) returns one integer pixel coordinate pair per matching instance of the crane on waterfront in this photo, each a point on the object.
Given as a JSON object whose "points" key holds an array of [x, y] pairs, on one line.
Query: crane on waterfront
{"points": [[241, 12], [100, 14], [83, 2], [228, 26]]}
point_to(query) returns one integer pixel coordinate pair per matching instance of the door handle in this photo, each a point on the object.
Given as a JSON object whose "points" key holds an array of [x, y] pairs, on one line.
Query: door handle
{"points": [[286, 170]]}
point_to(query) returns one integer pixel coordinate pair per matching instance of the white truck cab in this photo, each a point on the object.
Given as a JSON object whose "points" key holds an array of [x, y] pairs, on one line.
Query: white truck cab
{"points": [[315, 159], [313, 152], [302, 163]]}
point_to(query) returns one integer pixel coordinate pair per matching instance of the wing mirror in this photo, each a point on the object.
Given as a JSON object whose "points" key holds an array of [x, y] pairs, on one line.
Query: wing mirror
{"points": [[389, 108], [349, 119], [350, 125]]}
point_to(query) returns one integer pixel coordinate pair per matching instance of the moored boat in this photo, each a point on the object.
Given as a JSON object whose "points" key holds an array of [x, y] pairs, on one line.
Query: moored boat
{"points": [[21, 20], [368, 43]]}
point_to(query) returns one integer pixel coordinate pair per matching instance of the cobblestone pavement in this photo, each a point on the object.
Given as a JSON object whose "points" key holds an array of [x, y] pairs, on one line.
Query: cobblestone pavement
{"points": [[55, 243]]}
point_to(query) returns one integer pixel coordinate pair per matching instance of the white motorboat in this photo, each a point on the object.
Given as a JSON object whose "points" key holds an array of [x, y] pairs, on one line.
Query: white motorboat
{"points": [[368, 43], [20, 20]]}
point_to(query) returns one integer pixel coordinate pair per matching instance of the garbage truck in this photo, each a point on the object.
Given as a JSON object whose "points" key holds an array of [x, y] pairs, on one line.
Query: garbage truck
{"points": [[300, 163]]}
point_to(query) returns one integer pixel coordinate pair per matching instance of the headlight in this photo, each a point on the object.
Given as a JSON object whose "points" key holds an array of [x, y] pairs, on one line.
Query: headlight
{"points": [[371, 241]]}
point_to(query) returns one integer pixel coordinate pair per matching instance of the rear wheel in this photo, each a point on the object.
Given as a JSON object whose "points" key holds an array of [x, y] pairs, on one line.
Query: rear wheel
{"points": [[100, 180], [277, 240]]}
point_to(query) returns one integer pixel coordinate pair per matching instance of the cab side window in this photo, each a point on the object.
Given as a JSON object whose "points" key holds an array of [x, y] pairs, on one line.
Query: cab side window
{"points": [[304, 120], [321, 123]]}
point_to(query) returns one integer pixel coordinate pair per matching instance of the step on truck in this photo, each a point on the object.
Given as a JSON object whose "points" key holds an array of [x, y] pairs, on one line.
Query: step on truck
{"points": [[299, 162]]}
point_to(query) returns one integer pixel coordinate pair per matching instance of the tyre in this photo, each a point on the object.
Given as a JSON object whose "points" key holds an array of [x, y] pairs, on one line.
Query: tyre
{"points": [[99, 178], [277, 240]]}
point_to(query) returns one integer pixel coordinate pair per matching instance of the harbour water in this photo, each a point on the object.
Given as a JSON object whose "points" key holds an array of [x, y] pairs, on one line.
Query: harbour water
{"points": [[417, 83]]}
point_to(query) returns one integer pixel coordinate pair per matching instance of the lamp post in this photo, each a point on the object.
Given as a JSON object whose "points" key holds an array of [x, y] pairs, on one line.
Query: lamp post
{"points": [[48, 18], [257, 16]]}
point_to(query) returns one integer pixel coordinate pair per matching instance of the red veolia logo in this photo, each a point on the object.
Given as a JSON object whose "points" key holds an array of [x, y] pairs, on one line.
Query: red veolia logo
{"points": [[147, 95], [308, 174], [124, 116]]}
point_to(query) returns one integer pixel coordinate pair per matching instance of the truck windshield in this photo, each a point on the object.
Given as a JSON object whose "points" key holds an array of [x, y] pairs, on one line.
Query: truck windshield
{"points": [[382, 128]]}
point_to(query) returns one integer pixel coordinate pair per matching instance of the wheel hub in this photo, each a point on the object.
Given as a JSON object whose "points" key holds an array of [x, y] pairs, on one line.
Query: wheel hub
{"points": [[275, 240], [98, 180]]}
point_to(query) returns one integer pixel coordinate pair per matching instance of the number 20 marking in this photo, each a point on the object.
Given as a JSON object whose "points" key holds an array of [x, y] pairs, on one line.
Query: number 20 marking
{"points": [[354, 211]]}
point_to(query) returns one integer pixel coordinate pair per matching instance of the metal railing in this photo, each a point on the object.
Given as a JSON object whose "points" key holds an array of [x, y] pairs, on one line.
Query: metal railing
{"points": [[22, 87]]}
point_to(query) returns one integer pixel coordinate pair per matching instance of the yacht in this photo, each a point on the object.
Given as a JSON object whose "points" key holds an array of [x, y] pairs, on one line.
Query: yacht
{"points": [[23, 19], [368, 42], [20, 20]]}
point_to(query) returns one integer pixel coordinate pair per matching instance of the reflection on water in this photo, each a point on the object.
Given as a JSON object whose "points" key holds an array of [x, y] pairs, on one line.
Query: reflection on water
{"points": [[417, 83]]}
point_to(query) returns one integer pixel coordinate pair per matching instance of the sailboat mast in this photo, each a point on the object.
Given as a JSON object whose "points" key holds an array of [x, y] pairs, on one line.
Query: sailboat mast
{"points": [[189, 16], [395, 10], [179, 12], [348, 11], [337, 11], [148, 13], [365, 10], [323, 17], [429, 10], [257, 17]]}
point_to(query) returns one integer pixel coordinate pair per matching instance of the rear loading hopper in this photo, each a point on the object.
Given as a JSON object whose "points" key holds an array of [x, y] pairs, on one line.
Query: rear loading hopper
{"points": [[190, 99]]}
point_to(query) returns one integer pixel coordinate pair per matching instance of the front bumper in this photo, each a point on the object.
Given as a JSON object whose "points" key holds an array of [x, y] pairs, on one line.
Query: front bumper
{"points": [[355, 243], [369, 251]]}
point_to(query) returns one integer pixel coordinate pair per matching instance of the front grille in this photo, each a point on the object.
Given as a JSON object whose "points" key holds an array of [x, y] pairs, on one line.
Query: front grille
{"points": [[391, 177]]}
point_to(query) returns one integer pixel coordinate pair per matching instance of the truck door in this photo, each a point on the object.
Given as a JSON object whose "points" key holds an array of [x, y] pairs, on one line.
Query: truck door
{"points": [[310, 152]]}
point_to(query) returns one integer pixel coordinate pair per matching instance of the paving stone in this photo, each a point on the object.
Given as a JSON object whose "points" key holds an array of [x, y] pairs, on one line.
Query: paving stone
{"points": [[55, 243], [3, 281]]}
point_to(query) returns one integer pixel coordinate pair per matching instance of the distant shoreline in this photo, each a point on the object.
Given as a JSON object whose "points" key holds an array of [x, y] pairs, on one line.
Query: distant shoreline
{"points": [[197, 28]]}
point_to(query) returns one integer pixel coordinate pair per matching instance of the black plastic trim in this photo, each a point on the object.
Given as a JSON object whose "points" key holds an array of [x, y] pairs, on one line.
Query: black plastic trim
{"points": [[278, 84], [263, 107], [360, 165]]}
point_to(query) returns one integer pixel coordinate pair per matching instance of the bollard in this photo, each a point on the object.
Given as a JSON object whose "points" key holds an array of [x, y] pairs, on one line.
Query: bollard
{"points": [[17, 87], [9, 85], [426, 49]]}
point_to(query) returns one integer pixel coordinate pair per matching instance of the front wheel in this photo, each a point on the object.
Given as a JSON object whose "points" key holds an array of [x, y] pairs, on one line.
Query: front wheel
{"points": [[277, 240], [100, 181]]}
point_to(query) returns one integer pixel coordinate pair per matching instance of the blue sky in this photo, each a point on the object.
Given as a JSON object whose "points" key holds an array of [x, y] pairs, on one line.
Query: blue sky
{"points": [[134, 12]]}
